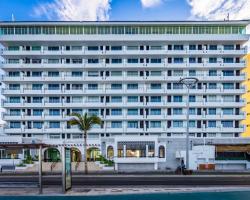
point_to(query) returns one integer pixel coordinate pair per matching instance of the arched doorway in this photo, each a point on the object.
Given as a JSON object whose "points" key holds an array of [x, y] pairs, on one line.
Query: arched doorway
{"points": [[110, 152], [51, 155], [76, 155], [161, 152], [93, 153]]}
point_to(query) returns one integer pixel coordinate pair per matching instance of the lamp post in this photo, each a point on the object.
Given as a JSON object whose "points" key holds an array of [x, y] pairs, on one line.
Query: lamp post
{"points": [[188, 82]]}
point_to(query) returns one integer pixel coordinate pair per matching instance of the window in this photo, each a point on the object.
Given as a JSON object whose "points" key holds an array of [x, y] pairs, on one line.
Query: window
{"points": [[92, 86], [116, 111], [37, 86], [116, 60], [155, 60], [54, 87], [15, 100], [213, 47], [116, 73], [192, 60], [177, 123], [192, 98], [76, 74], [192, 73], [212, 86], [38, 125], [36, 74], [116, 48], [132, 99], [93, 61], [155, 98], [177, 98], [14, 74], [116, 86], [227, 124], [54, 124], [15, 124], [192, 111], [155, 124], [212, 60], [93, 74], [229, 47], [15, 112], [117, 124], [192, 124], [178, 60], [14, 86], [155, 73], [93, 112], [177, 111], [132, 124], [155, 86], [161, 152], [211, 124], [155, 111], [77, 110], [227, 111], [228, 60], [54, 99], [132, 111], [37, 99], [133, 60], [93, 48], [211, 111], [178, 47], [228, 73], [116, 99], [192, 47], [132, 73], [212, 73], [37, 112], [228, 86], [177, 86], [54, 112], [93, 99]]}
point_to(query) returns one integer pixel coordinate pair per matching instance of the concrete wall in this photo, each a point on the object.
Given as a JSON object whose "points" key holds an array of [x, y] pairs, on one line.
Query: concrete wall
{"points": [[135, 167]]}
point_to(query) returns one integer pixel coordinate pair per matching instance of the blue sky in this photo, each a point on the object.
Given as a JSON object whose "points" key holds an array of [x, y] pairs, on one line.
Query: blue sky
{"points": [[123, 9], [120, 10]]}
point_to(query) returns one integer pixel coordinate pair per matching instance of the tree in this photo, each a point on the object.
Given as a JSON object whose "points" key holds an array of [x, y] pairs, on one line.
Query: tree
{"points": [[84, 123]]}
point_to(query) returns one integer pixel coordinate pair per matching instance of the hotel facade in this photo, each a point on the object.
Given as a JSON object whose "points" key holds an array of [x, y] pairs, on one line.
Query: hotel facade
{"points": [[128, 74]]}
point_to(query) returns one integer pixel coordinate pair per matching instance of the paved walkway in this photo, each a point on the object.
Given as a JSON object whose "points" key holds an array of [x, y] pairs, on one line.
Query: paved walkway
{"points": [[91, 191]]}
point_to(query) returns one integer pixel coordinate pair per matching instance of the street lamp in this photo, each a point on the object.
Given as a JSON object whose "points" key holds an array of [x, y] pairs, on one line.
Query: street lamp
{"points": [[188, 82]]}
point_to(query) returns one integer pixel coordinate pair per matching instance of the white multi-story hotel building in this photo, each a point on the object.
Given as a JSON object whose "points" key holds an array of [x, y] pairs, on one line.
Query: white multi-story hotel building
{"points": [[127, 73]]}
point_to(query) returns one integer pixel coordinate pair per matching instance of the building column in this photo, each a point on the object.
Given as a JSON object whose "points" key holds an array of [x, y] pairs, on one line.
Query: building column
{"points": [[124, 150], [146, 150]]}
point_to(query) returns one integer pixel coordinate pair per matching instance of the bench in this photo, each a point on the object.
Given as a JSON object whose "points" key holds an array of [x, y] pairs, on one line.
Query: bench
{"points": [[7, 168]]}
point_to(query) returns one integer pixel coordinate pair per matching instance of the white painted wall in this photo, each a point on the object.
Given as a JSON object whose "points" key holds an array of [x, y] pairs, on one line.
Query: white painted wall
{"points": [[201, 154]]}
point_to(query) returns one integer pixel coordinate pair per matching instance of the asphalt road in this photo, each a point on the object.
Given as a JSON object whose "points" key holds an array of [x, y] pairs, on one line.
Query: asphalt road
{"points": [[123, 180]]}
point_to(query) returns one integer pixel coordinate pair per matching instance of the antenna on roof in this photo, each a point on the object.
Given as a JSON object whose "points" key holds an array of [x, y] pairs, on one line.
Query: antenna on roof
{"points": [[227, 16], [12, 17]]}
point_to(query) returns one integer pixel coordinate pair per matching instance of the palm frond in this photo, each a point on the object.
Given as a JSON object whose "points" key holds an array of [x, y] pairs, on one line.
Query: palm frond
{"points": [[84, 122]]}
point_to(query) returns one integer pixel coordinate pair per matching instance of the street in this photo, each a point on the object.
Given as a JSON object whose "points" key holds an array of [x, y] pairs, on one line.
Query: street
{"points": [[115, 180]]}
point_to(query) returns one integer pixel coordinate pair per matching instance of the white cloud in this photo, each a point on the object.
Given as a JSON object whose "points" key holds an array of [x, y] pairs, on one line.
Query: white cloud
{"points": [[219, 9], [85, 10], [150, 3]]}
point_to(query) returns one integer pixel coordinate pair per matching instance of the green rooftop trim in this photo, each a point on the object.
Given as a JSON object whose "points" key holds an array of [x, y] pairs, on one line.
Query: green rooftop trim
{"points": [[121, 30]]}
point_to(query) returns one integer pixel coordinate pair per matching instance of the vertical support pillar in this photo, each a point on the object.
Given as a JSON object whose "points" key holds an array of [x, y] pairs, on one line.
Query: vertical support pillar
{"points": [[146, 150], [124, 150], [40, 170]]}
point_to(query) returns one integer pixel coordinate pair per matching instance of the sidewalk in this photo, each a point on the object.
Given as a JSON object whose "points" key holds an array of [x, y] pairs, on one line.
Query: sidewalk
{"points": [[98, 190]]}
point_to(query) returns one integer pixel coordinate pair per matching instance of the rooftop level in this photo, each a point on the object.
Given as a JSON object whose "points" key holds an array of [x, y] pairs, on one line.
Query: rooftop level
{"points": [[123, 27]]}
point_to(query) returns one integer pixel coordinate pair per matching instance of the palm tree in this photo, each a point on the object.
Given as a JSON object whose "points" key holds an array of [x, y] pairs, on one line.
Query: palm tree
{"points": [[85, 123]]}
